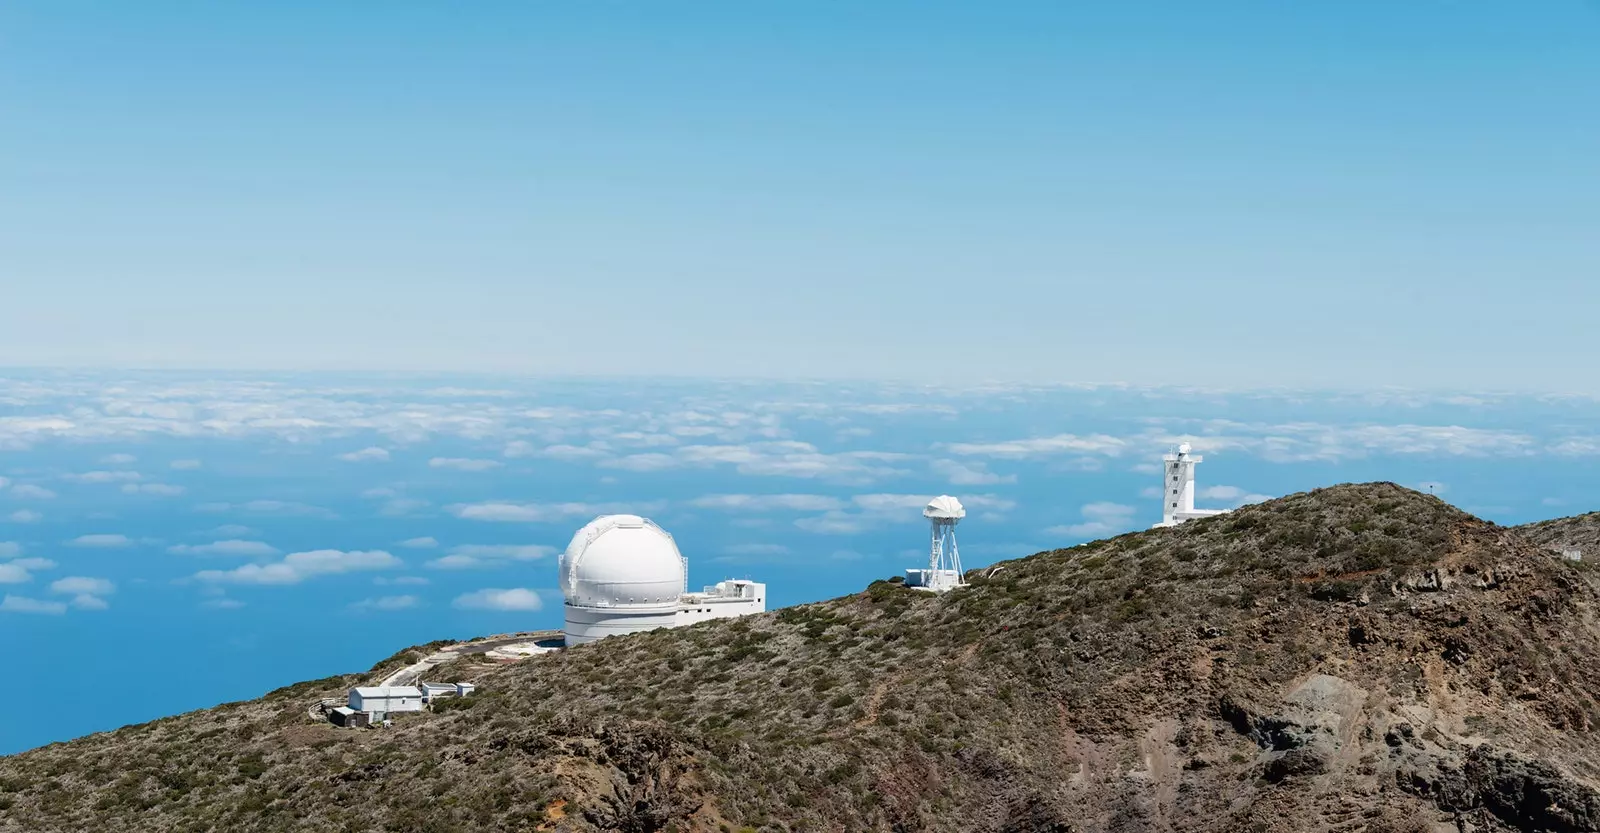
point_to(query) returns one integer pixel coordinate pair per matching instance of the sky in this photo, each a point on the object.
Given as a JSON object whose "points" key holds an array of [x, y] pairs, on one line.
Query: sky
{"points": [[206, 537], [1342, 195], [324, 325]]}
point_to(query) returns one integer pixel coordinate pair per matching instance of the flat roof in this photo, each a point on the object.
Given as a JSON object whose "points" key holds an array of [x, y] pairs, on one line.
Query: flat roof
{"points": [[387, 691]]}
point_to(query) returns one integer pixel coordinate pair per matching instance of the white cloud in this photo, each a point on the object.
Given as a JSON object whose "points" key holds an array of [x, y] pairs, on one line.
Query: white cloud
{"points": [[184, 465], [833, 523], [79, 585], [35, 563], [793, 459], [398, 580], [387, 603], [649, 461], [768, 503], [1099, 520], [372, 454], [158, 489], [299, 566], [104, 541], [874, 510], [10, 549], [14, 573], [119, 459], [28, 491], [4, 482], [903, 504], [560, 451], [231, 547], [518, 598], [1285, 442], [536, 512], [222, 604], [426, 542], [1045, 446], [233, 531], [87, 601], [1311, 441], [464, 464], [103, 477], [1576, 447], [402, 506], [24, 516], [268, 507], [1218, 492], [964, 474], [468, 556], [23, 604]]}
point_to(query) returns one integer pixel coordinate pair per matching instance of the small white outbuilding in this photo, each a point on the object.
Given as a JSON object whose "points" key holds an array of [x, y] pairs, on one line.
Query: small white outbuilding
{"points": [[381, 701]]}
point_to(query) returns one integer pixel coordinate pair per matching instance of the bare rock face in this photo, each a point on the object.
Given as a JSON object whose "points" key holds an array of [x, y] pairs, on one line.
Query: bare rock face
{"points": [[1359, 658]]}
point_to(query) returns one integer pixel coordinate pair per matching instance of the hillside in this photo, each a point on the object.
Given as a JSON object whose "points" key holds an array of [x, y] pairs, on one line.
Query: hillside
{"points": [[1580, 531], [1357, 658]]}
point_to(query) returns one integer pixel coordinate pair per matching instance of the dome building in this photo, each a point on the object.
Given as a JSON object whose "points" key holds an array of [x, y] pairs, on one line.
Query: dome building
{"points": [[623, 574]]}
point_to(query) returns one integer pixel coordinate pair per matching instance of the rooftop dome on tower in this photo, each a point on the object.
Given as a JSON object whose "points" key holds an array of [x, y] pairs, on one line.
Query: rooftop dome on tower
{"points": [[622, 561]]}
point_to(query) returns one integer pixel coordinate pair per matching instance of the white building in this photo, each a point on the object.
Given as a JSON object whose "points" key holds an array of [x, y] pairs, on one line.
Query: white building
{"points": [[1177, 493], [623, 574], [383, 700], [723, 600]]}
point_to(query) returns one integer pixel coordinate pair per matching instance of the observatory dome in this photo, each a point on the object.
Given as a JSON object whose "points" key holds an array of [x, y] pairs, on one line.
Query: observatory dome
{"points": [[945, 507], [622, 561]]}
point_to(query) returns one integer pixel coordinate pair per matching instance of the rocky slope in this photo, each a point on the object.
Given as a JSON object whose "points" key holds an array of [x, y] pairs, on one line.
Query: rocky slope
{"points": [[1579, 531], [1358, 658]]}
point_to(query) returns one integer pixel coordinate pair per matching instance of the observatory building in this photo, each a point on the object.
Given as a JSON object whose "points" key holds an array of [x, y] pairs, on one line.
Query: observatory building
{"points": [[1177, 492], [944, 560], [623, 574]]}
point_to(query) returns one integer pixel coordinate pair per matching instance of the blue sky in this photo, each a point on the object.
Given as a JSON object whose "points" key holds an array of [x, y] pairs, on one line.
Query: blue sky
{"points": [[1246, 193], [220, 535], [319, 320]]}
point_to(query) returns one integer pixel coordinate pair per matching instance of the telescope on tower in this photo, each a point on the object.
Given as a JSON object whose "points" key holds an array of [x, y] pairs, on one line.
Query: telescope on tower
{"points": [[1178, 489], [944, 559]]}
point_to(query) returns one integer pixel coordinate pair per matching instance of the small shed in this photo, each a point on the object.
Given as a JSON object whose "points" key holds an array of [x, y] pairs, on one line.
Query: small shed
{"points": [[433, 690], [463, 689], [381, 701], [347, 717]]}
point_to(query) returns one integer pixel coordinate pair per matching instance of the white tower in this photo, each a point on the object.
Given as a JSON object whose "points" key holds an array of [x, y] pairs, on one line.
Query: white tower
{"points": [[944, 559], [1177, 488]]}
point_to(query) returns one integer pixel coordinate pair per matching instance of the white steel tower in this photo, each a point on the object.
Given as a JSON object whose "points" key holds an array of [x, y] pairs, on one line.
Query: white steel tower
{"points": [[944, 559], [1177, 488]]}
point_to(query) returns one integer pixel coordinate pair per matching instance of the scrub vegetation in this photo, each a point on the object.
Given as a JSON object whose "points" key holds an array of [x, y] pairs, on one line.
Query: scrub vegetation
{"points": [[1362, 657]]}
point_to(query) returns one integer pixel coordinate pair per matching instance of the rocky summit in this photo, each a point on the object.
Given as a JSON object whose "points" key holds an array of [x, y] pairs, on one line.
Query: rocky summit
{"points": [[1356, 658]]}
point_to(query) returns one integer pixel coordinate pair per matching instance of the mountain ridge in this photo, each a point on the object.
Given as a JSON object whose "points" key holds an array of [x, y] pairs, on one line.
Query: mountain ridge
{"points": [[1360, 657]]}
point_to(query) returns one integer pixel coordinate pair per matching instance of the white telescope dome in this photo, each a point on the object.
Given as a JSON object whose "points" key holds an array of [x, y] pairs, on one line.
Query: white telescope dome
{"points": [[622, 561], [945, 508]]}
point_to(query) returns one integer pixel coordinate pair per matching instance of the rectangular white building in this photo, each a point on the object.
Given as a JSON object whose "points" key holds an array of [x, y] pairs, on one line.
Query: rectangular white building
{"points": [[724, 600], [381, 701]]}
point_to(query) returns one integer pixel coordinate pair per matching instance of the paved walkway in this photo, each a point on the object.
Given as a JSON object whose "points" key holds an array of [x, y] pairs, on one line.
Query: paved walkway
{"points": [[412, 674]]}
